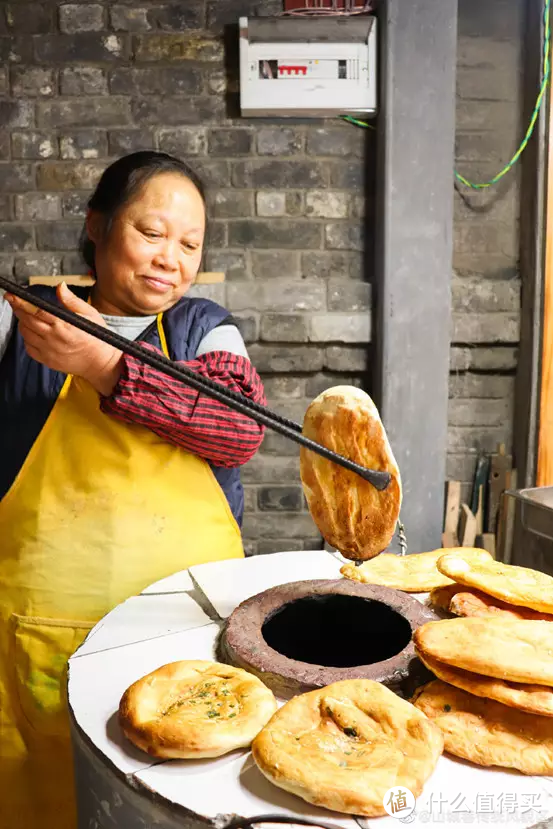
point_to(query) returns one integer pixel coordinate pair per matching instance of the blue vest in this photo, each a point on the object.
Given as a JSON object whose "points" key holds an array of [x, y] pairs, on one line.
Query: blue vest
{"points": [[29, 390]]}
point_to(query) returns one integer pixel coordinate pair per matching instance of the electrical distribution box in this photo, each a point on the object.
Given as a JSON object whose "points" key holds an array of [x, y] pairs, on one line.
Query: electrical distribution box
{"points": [[308, 66]]}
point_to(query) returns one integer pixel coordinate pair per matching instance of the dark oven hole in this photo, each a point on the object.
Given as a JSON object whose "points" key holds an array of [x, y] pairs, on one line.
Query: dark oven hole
{"points": [[337, 631]]}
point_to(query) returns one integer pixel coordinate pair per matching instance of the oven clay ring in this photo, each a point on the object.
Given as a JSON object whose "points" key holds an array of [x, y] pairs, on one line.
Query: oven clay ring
{"points": [[360, 619]]}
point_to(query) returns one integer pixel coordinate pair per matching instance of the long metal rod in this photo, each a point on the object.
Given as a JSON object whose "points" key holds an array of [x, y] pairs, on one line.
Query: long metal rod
{"points": [[233, 400]]}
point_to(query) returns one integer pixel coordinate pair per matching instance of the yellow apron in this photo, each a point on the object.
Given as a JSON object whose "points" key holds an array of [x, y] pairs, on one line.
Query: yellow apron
{"points": [[99, 510]]}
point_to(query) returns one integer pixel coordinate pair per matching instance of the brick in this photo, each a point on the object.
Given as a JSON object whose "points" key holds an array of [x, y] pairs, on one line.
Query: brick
{"points": [[358, 207], [278, 545], [336, 141], [477, 53], [4, 81], [129, 19], [15, 50], [221, 13], [485, 328], [37, 264], [16, 237], [72, 263], [279, 141], [281, 358], [325, 204], [477, 438], [323, 265], [267, 525], [482, 295], [275, 174], [6, 265], [482, 115], [185, 141], [250, 547], [231, 203], [248, 327], [276, 295], [270, 203], [62, 235], [282, 233], [82, 47], [486, 237], [215, 293], [489, 146], [348, 295], [32, 207], [289, 388], [6, 212], [173, 111], [32, 81], [74, 205], [16, 114], [230, 142], [88, 112], [344, 236], [280, 498], [232, 263], [275, 444], [83, 80], [217, 83], [479, 412], [347, 175], [489, 265], [16, 178], [496, 358], [83, 144], [478, 385], [216, 235], [348, 359], [321, 382], [121, 142], [250, 499], [4, 145], [74, 18], [176, 17], [460, 467], [284, 328], [34, 145], [346, 328], [258, 470], [485, 84], [65, 175], [271, 264], [481, 204], [182, 46], [29, 18], [169, 80]]}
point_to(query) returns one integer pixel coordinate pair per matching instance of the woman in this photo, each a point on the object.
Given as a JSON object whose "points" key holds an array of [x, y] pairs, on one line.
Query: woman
{"points": [[112, 474]]}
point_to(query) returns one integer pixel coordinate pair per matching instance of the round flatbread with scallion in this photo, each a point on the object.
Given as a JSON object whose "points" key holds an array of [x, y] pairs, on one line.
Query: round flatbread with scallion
{"points": [[195, 709]]}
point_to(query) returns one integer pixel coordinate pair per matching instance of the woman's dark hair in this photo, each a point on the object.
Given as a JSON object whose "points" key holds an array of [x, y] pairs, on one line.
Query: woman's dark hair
{"points": [[123, 179]]}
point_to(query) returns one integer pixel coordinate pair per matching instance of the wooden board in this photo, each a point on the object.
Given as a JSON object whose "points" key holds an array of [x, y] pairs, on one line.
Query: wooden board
{"points": [[544, 475], [499, 481], [451, 520], [203, 278]]}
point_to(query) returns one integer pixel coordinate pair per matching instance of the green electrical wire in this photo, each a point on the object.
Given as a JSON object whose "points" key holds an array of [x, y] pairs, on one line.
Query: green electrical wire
{"points": [[533, 119], [535, 113]]}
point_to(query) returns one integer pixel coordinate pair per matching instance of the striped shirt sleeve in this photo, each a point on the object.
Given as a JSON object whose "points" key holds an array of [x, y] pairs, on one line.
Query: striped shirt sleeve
{"points": [[186, 418]]}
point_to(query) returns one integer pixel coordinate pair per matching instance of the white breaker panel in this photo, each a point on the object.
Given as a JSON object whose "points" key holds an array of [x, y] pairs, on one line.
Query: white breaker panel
{"points": [[308, 67]]}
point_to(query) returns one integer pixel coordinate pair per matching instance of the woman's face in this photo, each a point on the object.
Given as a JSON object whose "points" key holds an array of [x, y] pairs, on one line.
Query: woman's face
{"points": [[152, 253]]}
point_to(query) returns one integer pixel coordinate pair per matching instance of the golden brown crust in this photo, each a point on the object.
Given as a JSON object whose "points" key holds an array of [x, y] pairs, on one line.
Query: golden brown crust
{"points": [[517, 650], [343, 746], [533, 699], [195, 709], [350, 513], [440, 597], [468, 602], [515, 585], [486, 732], [414, 573]]}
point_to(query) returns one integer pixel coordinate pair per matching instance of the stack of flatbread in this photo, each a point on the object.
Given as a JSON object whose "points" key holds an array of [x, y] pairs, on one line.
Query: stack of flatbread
{"points": [[493, 697]]}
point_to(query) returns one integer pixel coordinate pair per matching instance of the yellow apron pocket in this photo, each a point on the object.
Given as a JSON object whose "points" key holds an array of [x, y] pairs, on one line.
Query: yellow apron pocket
{"points": [[42, 648]]}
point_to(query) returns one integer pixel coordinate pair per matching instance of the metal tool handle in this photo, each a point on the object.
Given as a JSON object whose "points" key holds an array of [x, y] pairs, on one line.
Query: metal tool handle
{"points": [[178, 371]]}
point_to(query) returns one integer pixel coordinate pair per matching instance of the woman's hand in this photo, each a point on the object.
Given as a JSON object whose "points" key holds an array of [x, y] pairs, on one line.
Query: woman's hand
{"points": [[62, 347]]}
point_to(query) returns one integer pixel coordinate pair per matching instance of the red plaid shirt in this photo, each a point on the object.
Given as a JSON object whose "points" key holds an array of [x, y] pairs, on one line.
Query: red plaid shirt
{"points": [[187, 418]]}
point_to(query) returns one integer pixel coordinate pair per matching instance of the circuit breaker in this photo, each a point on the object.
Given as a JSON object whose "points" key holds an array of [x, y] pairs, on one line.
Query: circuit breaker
{"points": [[308, 67]]}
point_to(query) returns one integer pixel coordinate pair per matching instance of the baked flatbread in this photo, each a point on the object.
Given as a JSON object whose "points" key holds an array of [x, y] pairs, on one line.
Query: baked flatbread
{"points": [[486, 732], [342, 747], [518, 650], [194, 709], [468, 602], [350, 513], [516, 585], [533, 699], [440, 597], [414, 573]]}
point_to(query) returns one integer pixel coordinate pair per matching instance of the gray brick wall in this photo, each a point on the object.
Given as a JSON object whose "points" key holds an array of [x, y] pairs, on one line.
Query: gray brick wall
{"points": [[82, 83]]}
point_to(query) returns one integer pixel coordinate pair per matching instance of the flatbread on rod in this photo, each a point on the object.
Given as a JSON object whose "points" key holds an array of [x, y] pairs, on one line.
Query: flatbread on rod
{"points": [[195, 709], [352, 516], [343, 746]]}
